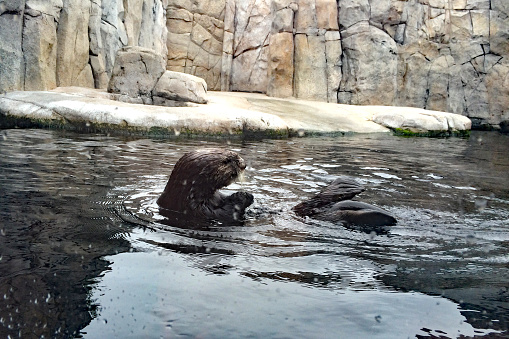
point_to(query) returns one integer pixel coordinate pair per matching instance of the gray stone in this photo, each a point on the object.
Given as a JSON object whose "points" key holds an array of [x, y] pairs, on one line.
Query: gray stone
{"points": [[419, 120], [12, 67], [174, 86], [370, 65], [136, 72], [225, 114]]}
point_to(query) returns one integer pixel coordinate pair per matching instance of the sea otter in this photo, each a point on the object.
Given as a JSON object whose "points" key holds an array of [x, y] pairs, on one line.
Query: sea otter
{"points": [[191, 195], [332, 204]]}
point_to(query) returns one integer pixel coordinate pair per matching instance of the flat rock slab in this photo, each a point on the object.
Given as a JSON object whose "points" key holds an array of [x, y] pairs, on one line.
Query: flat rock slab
{"points": [[226, 114]]}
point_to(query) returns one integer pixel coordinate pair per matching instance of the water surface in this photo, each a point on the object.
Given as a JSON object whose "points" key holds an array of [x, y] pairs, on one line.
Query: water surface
{"points": [[83, 251]]}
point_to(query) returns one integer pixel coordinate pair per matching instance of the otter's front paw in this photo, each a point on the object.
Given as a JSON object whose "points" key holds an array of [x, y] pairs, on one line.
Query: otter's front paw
{"points": [[241, 200]]}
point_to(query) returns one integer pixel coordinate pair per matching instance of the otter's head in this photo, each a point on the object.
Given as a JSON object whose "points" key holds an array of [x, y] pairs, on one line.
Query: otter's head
{"points": [[198, 175]]}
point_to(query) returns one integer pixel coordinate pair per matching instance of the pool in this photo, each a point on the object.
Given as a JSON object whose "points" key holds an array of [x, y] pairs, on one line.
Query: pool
{"points": [[84, 252]]}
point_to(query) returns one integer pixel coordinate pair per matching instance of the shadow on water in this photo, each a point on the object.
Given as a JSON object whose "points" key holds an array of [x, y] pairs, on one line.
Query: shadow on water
{"points": [[83, 251]]}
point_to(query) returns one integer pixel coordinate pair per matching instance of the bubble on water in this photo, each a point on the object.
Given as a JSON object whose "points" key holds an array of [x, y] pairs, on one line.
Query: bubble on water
{"points": [[470, 239], [481, 204]]}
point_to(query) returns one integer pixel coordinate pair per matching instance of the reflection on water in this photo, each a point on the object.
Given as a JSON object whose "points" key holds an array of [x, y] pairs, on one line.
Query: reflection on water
{"points": [[83, 250]]}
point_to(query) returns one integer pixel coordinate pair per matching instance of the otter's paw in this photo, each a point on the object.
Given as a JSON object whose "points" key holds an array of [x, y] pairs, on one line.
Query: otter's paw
{"points": [[241, 200]]}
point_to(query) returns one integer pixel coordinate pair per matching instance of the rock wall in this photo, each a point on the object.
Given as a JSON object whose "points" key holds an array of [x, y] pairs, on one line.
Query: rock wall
{"points": [[50, 43], [195, 38], [447, 55]]}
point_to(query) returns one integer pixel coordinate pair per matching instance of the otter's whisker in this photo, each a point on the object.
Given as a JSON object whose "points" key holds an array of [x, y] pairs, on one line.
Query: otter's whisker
{"points": [[241, 178]]}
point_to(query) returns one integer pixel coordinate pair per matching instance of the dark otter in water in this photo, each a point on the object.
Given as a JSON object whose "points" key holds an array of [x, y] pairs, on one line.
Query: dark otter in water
{"points": [[332, 204], [191, 195]]}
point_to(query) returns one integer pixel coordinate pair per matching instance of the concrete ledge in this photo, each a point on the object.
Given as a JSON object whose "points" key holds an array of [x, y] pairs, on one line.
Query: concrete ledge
{"points": [[226, 114]]}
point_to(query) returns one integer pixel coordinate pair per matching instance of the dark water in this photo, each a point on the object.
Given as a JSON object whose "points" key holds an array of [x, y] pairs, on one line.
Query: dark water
{"points": [[84, 253]]}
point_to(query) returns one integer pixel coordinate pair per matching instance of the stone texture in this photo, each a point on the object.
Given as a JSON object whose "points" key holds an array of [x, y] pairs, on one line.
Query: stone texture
{"points": [[251, 46], [180, 87], [40, 42], [280, 82], [310, 74], [333, 54], [420, 121], [370, 68], [226, 114], [433, 54], [12, 66], [389, 52], [135, 74], [72, 66], [49, 43], [195, 39]]}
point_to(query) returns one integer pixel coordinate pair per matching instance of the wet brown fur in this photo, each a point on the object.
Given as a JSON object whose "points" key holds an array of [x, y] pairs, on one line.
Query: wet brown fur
{"points": [[192, 190]]}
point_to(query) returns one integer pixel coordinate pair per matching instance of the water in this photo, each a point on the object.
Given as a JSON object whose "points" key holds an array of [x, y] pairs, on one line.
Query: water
{"points": [[84, 253]]}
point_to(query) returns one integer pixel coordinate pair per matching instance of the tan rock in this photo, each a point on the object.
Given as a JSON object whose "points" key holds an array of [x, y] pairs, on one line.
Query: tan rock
{"points": [[73, 45], [280, 79], [333, 53], [310, 79], [40, 46], [283, 20], [305, 17], [327, 14]]}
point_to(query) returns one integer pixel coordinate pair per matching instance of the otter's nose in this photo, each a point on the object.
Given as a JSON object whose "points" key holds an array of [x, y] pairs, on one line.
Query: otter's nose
{"points": [[242, 164]]}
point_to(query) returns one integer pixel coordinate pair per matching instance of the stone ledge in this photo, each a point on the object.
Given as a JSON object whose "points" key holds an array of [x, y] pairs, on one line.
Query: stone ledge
{"points": [[227, 114]]}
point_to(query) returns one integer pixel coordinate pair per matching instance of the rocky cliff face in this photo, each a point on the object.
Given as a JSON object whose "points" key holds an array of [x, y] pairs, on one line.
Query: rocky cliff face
{"points": [[448, 55], [50, 43]]}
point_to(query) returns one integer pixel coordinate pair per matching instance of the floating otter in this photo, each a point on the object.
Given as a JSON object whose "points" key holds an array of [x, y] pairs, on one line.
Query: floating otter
{"points": [[191, 195], [332, 204]]}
